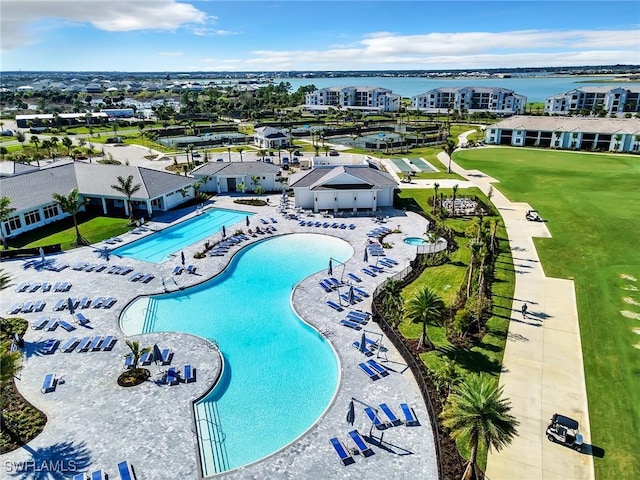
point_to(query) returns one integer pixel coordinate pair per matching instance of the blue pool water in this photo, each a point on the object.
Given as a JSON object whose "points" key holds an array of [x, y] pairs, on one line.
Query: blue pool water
{"points": [[415, 241], [280, 374], [162, 245]]}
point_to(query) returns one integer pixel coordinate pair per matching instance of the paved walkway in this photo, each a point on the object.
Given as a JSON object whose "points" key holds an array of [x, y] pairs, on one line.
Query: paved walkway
{"points": [[542, 369]]}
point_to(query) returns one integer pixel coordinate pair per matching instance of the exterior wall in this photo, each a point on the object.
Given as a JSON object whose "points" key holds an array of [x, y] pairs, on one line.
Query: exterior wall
{"points": [[616, 101], [218, 183], [374, 98], [174, 198], [334, 200], [498, 101], [29, 215]]}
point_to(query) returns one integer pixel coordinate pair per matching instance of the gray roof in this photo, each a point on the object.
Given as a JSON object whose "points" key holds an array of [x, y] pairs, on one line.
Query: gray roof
{"points": [[321, 178], [567, 124], [236, 168], [32, 189], [269, 132], [8, 168]]}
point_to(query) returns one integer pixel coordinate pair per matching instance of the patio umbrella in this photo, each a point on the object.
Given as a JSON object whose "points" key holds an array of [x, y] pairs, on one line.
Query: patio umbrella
{"points": [[363, 342], [41, 250], [224, 231], [351, 296], [182, 258], [72, 309], [351, 414], [157, 354], [330, 271], [247, 220], [366, 255]]}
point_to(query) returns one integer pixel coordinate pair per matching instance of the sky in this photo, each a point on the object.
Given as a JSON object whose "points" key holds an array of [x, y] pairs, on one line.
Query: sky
{"points": [[286, 35]]}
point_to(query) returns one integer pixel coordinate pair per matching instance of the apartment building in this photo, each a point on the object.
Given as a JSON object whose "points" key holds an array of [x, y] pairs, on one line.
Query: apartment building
{"points": [[500, 101], [615, 101], [372, 99]]}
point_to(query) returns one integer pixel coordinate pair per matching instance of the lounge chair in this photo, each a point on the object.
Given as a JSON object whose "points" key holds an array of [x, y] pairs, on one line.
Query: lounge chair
{"points": [[327, 288], [367, 369], [27, 307], [358, 320], [191, 269], [146, 358], [136, 276], [326, 225], [52, 324], [354, 277], [100, 267], [376, 269], [350, 324], [383, 372], [125, 271], [273, 220], [95, 343], [60, 305], [189, 373], [83, 346], [79, 266], [40, 323], [346, 298], [128, 361], [98, 475], [364, 349], [109, 302], [352, 226], [15, 308], [145, 279], [70, 345], [108, 343], [360, 443], [166, 357], [126, 471], [49, 383], [410, 419], [262, 220], [85, 302], [46, 286], [369, 272], [66, 325], [373, 416], [81, 319], [172, 376], [79, 476], [359, 291], [97, 302], [335, 306], [341, 450], [336, 283], [334, 225], [177, 270], [39, 306], [359, 315], [33, 288], [50, 346], [390, 415], [22, 287]]}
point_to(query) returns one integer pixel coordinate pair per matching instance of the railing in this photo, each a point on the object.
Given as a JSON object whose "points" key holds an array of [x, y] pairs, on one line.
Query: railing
{"points": [[418, 369]]}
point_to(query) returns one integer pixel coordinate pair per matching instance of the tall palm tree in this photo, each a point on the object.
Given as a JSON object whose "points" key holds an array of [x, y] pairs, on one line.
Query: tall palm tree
{"points": [[436, 186], [21, 138], [449, 147], [128, 189], [72, 204], [425, 307], [136, 351], [190, 152], [68, 143], [453, 200], [477, 415], [35, 140], [240, 150], [5, 212]]}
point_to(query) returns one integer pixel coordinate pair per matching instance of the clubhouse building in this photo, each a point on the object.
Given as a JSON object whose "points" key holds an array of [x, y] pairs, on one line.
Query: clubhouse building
{"points": [[594, 134], [31, 192], [229, 177], [499, 101]]}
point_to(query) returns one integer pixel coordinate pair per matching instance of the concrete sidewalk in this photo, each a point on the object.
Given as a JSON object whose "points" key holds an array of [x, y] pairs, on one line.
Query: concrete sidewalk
{"points": [[542, 369]]}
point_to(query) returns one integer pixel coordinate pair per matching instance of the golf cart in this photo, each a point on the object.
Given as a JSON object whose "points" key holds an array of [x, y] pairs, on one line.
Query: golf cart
{"points": [[564, 430], [533, 216]]}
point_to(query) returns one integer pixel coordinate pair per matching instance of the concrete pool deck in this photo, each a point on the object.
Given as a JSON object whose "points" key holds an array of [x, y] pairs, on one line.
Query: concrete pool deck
{"points": [[97, 424]]}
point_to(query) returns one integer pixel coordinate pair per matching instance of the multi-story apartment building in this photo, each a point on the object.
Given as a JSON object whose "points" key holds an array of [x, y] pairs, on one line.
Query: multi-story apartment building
{"points": [[500, 101], [374, 99], [613, 101]]}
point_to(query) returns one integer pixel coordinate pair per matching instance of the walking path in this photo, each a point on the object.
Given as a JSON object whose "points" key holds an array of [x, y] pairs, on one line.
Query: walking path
{"points": [[542, 368]]}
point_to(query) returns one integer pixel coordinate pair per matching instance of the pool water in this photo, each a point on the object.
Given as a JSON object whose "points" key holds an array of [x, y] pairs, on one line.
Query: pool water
{"points": [[280, 374], [415, 241], [163, 245]]}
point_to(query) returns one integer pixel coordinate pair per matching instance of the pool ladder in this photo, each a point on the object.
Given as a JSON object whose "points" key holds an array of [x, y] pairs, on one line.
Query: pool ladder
{"points": [[211, 439]]}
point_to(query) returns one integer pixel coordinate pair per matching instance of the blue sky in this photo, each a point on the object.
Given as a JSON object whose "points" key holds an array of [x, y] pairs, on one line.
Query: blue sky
{"points": [[171, 35]]}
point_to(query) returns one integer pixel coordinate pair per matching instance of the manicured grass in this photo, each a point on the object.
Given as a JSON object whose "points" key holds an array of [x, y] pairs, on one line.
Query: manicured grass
{"points": [[592, 206], [445, 280], [94, 230]]}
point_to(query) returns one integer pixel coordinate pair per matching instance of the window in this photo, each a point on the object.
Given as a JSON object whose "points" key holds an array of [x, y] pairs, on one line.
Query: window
{"points": [[32, 217], [14, 223], [50, 211]]}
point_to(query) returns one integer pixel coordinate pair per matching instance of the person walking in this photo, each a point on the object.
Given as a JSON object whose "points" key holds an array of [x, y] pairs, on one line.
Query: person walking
{"points": [[524, 310]]}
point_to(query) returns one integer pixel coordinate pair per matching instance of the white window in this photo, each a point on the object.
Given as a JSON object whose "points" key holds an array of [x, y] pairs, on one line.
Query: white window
{"points": [[14, 223], [50, 211], [32, 217]]}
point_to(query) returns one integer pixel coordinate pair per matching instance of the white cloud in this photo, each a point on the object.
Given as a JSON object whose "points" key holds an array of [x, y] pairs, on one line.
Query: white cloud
{"points": [[18, 16]]}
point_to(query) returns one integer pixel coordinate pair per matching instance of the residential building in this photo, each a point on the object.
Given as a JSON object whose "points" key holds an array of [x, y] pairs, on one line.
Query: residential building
{"points": [[31, 192], [576, 133], [373, 99], [614, 101], [499, 101], [229, 177], [269, 137], [343, 187], [49, 119]]}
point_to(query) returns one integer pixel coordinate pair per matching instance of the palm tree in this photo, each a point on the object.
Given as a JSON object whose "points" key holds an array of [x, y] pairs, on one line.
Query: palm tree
{"points": [[449, 147], [136, 351], [46, 144], [68, 143], [425, 307], [240, 150], [35, 140], [189, 152], [392, 303], [262, 152], [453, 200], [72, 204], [5, 212], [436, 186], [127, 188], [21, 138], [477, 415]]}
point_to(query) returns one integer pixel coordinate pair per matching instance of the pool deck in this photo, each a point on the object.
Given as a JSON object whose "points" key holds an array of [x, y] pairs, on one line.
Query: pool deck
{"points": [[96, 424]]}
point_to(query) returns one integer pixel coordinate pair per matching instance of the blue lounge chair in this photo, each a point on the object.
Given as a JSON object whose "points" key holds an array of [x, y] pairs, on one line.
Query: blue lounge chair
{"points": [[373, 416], [364, 349], [126, 471], [46, 286], [69, 345], [369, 272], [109, 302], [334, 225], [273, 220], [85, 302], [391, 260], [354, 277], [97, 302], [27, 307], [79, 476], [84, 344], [358, 314], [50, 346], [359, 291], [390, 415], [146, 358], [60, 305], [191, 269], [100, 267], [95, 343], [350, 324], [49, 383], [171, 377], [189, 373], [326, 225], [22, 287], [360, 443], [343, 226], [98, 475], [15, 308], [52, 324], [33, 287], [376, 269], [367, 369], [410, 419], [378, 368], [355, 319], [40, 323], [325, 287], [81, 319], [166, 357], [346, 298], [146, 279], [136, 276], [352, 226], [335, 306], [335, 282], [262, 220], [39, 306], [109, 342], [341, 450], [66, 325], [317, 224], [128, 361]]}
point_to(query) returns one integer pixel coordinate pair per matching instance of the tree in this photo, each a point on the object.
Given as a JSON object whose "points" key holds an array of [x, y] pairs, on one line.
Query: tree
{"points": [[3, 152], [425, 307], [35, 140], [68, 143], [21, 138], [392, 304], [136, 351], [240, 150], [189, 152], [72, 204], [127, 188], [454, 190], [436, 186], [5, 212], [477, 415], [47, 145], [449, 147]]}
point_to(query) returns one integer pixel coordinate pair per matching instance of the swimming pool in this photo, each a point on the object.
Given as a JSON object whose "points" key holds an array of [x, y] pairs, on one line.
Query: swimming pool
{"points": [[280, 374], [415, 241], [161, 246]]}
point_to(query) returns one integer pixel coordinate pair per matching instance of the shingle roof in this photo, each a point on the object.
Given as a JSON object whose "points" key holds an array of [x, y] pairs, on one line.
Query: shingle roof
{"points": [[566, 124], [14, 168], [236, 168], [321, 177], [30, 190]]}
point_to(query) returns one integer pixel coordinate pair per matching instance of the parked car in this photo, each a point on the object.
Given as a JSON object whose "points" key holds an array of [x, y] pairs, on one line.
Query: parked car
{"points": [[564, 430], [295, 161], [6, 133], [333, 153], [533, 216], [297, 153], [219, 159], [195, 153]]}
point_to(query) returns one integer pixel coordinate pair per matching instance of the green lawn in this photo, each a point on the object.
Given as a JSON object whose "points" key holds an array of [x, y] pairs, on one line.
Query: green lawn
{"points": [[94, 230], [592, 205]]}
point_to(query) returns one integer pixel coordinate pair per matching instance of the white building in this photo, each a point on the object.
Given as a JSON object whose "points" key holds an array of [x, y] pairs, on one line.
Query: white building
{"points": [[228, 177], [343, 187], [269, 137], [373, 99], [614, 101], [31, 192], [576, 133], [500, 101]]}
